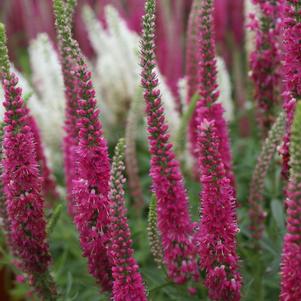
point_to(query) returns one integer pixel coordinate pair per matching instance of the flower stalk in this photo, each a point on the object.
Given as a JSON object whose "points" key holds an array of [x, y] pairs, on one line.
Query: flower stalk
{"points": [[174, 222]]}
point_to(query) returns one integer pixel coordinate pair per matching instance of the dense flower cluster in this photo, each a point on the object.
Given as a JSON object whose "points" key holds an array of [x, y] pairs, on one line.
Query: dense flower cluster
{"points": [[218, 227], [86, 155], [291, 56], [23, 183], [265, 61], [291, 257], [128, 283], [173, 215]]}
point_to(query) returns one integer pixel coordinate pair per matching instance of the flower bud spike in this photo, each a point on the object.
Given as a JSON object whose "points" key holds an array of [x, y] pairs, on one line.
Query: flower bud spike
{"points": [[256, 210], [153, 234], [128, 283]]}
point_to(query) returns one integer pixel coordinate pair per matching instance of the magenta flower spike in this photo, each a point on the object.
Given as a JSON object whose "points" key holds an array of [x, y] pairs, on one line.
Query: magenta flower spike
{"points": [[291, 254], [90, 163], [91, 187], [208, 88], [291, 57], [48, 181], [128, 283], [174, 221], [23, 184], [218, 227], [265, 63]]}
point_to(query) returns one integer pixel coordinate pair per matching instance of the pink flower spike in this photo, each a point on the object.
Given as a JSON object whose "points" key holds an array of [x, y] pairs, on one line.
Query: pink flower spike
{"points": [[91, 183], [174, 221], [218, 228], [128, 283], [23, 184], [87, 155]]}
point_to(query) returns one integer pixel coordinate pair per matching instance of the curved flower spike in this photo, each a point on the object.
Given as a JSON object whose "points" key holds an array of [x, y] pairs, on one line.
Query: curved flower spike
{"points": [[128, 283], [63, 28], [174, 221], [86, 155]]}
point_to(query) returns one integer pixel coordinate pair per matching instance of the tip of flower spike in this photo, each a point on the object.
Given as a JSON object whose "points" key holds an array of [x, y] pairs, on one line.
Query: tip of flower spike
{"points": [[119, 150], [150, 8], [4, 61], [70, 6], [62, 12]]}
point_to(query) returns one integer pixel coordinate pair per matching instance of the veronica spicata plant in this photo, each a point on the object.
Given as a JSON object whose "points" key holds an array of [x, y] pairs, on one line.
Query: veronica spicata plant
{"points": [[174, 221], [22, 185], [128, 283], [86, 154]]}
